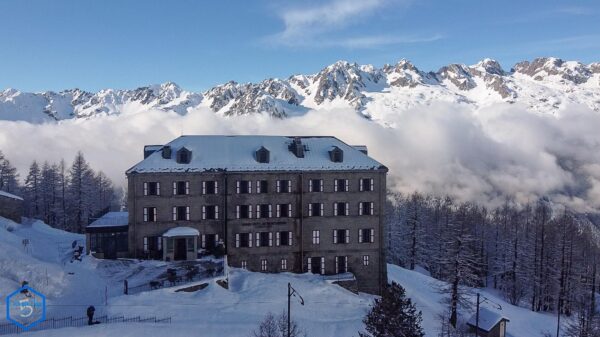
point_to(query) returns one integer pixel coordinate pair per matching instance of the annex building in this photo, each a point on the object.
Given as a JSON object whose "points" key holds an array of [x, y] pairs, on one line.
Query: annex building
{"points": [[276, 203]]}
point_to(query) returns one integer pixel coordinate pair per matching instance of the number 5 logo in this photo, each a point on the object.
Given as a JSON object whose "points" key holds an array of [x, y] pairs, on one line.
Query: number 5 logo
{"points": [[26, 309]]}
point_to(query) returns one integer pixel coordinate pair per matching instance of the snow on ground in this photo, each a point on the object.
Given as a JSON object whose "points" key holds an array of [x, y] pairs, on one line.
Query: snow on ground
{"points": [[423, 290], [329, 310]]}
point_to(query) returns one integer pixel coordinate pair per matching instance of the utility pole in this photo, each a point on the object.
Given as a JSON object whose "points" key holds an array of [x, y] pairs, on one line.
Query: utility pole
{"points": [[291, 292], [477, 318]]}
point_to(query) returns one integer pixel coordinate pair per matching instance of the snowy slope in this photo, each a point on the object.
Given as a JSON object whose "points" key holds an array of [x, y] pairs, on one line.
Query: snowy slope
{"points": [[544, 85]]}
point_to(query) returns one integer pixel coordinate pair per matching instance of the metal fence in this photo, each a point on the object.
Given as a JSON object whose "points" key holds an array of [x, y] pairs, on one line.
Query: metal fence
{"points": [[68, 322]]}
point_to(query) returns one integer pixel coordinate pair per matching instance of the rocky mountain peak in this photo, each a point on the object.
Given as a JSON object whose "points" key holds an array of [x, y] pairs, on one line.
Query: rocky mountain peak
{"points": [[545, 67], [457, 74], [488, 66]]}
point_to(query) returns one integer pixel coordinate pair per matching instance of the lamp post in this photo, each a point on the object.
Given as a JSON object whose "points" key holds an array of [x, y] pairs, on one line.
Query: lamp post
{"points": [[291, 292], [479, 301]]}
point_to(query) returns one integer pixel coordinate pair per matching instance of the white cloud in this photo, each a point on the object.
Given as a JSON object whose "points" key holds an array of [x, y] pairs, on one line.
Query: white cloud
{"points": [[501, 151]]}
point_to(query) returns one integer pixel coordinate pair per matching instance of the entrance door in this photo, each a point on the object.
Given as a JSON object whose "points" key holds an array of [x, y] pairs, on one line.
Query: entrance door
{"points": [[109, 244], [315, 265], [180, 249], [341, 263]]}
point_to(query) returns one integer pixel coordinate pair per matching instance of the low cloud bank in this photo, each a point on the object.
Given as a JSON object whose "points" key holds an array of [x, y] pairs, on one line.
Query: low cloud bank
{"points": [[485, 156]]}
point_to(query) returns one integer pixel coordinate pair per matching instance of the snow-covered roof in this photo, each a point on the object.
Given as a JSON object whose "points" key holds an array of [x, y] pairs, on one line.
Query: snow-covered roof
{"points": [[111, 219], [181, 231], [8, 195], [487, 319], [237, 153]]}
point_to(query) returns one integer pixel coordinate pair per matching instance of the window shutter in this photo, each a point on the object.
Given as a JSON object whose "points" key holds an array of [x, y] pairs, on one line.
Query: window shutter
{"points": [[290, 236], [278, 210], [347, 236], [237, 240], [145, 188], [258, 187], [145, 213], [372, 184], [250, 239], [360, 185], [277, 238], [204, 187], [187, 187], [258, 211], [237, 211], [154, 214], [321, 185], [258, 239], [336, 265], [249, 186], [217, 212], [346, 264], [270, 239], [322, 206], [335, 238], [289, 211], [237, 187], [216, 187], [174, 213], [335, 208], [347, 209], [346, 185], [310, 209], [157, 188], [270, 211], [309, 265], [187, 213], [335, 185], [250, 211], [174, 188], [372, 235], [289, 183], [310, 185], [203, 241], [278, 186], [360, 236], [360, 208], [203, 212], [322, 265]]}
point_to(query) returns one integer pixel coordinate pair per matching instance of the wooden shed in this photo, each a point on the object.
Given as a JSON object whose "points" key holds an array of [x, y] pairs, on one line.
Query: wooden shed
{"points": [[491, 323]]}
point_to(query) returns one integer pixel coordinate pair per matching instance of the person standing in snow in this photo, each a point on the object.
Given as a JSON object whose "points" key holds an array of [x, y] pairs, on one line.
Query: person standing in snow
{"points": [[90, 314]]}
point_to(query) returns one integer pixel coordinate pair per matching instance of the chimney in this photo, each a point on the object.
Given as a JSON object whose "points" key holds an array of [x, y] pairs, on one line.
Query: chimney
{"points": [[296, 147]]}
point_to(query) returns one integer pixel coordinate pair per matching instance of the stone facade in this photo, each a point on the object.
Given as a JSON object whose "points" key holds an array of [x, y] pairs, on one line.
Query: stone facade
{"points": [[11, 208]]}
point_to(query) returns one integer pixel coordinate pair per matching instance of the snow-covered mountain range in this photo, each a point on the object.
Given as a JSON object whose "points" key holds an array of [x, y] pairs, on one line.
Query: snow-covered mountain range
{"points": [[543, 85]]}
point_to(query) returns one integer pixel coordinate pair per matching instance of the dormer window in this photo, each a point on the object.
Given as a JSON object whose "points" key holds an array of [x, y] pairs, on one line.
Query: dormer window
{"points": [[296, 147], [262, 155], [166, 152], [336, 155], [184, 156]]}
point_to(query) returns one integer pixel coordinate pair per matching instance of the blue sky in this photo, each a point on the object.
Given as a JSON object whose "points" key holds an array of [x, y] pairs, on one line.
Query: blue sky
{"points": [[60, 44]]}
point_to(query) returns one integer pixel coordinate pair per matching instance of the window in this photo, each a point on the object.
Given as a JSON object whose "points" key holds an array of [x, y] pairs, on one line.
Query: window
{"points": [[315, 185], [263, 265], [264, 211], [243, 240], [181, 213], [341, 264], [243, 211], [341, 236], [181, 187], [316, 265], [262, 186], [210, 187], [365, 208], [365, 260], [283, 264], [284, 210], [209, 241], [340, 185], [366, 184], [244, 264], [210, 212], [262, 155], [315, 209], [284, 238], [190, 245], [366, 235], [243, 186], [184, 156], [146, 249], [149, 214], [264, 239], [341, 208], [284, 186], [316, 237], [152, 188]]}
